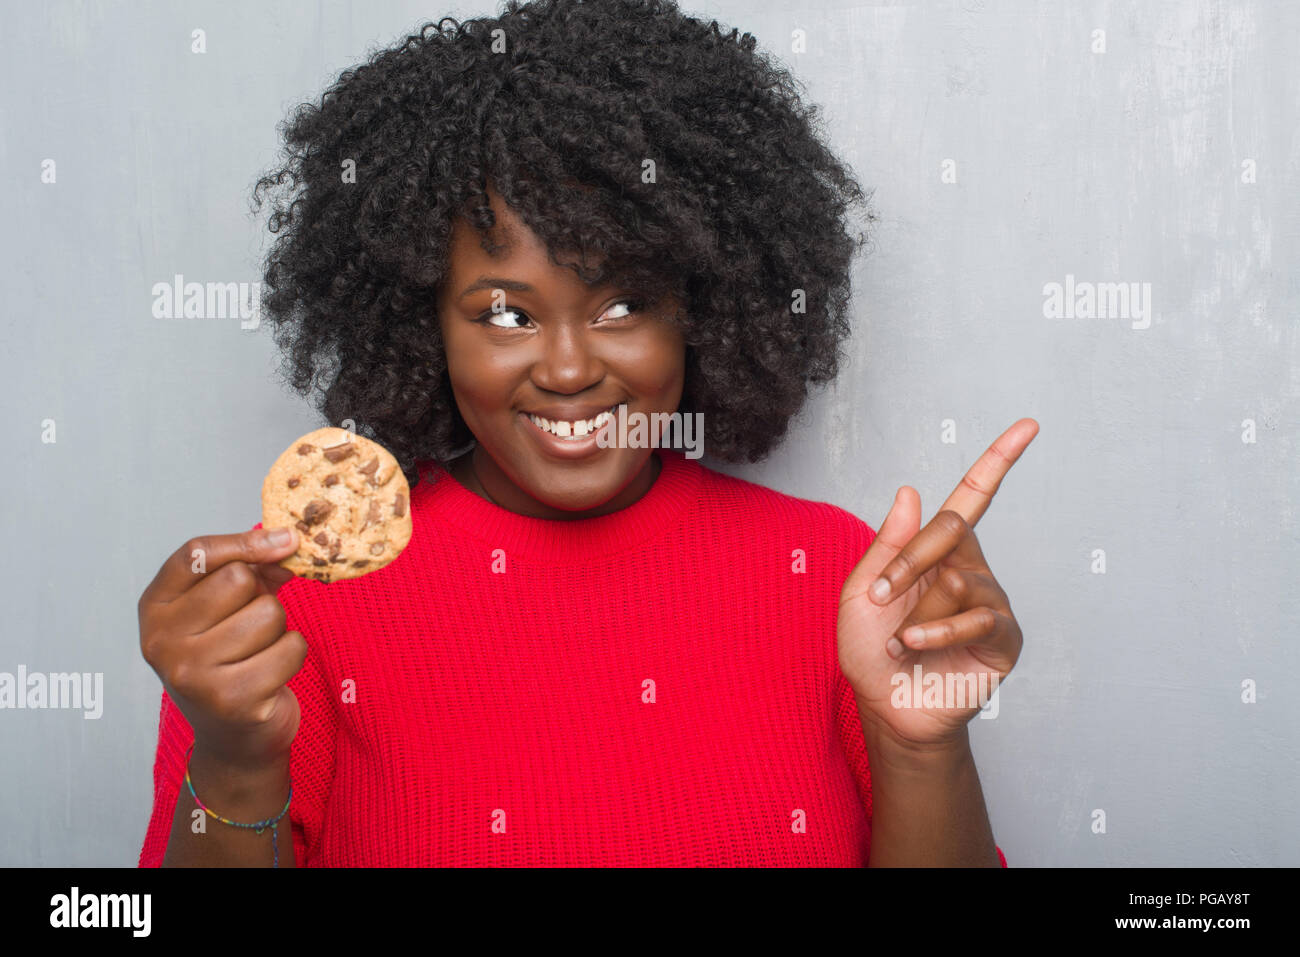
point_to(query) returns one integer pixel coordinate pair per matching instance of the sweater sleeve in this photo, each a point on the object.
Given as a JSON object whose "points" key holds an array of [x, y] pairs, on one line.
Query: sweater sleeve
{"points": [[848, 722], [311, 759]]}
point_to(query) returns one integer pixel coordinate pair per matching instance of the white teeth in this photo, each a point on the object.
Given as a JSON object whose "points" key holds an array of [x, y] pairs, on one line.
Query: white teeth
{"points": [[571, 430]]}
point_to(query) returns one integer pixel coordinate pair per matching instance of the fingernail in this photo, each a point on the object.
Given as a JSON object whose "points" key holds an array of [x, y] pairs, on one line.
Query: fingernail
{"points": [[279, 537], [915, 637], [880, 590], [894, 647]]}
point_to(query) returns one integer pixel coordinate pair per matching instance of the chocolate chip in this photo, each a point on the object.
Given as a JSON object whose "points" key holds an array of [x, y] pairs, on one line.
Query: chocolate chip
{"points": [[316, 511], [340, 452], [369, 467], [301, 526], [321, 539], [337, 558], [377, 548], [332, 479], [306, 449], [399, 505], [293, 483], [318, 561], [372, 516], [360, 564]]}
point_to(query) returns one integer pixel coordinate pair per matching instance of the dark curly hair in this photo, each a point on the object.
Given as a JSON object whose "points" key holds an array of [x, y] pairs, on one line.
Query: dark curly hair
{"points": [[558, 103]]}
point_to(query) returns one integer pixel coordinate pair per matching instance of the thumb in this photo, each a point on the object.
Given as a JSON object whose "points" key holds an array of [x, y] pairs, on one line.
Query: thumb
{"points": [[899, 527], [268, 556]]}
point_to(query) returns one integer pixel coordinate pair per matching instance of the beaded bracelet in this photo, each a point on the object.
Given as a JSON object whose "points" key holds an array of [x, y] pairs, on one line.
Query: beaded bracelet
{"points": [[259, 827]]}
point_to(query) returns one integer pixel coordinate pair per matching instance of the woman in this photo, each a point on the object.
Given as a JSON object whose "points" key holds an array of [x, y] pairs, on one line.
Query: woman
{"points": [[594, 651]]}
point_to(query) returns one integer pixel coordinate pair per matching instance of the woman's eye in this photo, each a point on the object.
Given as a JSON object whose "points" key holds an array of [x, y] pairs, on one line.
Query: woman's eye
{"points": [[487, 318], [628, 306]]}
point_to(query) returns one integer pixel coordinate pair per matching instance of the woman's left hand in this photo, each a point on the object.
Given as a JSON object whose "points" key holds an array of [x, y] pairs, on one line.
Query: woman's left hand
{"points": [[940, 583]]}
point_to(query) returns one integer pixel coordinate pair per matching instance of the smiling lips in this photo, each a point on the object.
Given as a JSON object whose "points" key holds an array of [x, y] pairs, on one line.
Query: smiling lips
{"points": [[573, 428]]}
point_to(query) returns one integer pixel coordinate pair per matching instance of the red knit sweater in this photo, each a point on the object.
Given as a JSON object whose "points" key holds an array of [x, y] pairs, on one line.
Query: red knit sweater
{"points": [[657, 686]]}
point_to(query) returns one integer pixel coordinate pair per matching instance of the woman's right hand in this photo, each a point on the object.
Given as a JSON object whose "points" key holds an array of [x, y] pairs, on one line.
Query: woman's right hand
{"points": [[212, 628]]}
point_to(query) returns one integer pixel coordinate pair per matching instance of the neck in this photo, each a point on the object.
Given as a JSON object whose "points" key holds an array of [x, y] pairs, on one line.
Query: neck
{"points": [[478, 472]]}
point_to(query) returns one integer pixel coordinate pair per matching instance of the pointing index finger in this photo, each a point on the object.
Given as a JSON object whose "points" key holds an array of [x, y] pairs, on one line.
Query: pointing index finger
{"points": [[974, 493]]}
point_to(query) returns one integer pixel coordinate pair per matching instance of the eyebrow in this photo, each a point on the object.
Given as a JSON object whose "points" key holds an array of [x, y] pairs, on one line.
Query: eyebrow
{"points": [[494, 282]]}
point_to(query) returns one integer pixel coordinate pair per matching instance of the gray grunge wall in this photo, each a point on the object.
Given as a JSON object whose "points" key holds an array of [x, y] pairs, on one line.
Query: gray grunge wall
{"points": [[1088, 215]]}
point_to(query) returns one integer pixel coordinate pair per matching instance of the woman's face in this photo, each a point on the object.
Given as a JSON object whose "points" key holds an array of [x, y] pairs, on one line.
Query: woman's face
{"points": [[555, 348]]}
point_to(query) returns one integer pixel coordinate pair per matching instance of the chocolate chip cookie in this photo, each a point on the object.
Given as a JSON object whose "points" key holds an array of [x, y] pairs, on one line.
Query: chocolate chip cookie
{"points": [[348, 499]]}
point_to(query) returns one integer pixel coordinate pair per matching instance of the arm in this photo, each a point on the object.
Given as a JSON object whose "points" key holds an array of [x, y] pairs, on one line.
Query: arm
{"points": [[918, 597], [245, 796], [253, 793], [928, 807]]}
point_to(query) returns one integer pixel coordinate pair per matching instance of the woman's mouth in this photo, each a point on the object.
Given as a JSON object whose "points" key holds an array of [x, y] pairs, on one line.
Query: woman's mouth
{"points": [[571, 429], [568, 437]]}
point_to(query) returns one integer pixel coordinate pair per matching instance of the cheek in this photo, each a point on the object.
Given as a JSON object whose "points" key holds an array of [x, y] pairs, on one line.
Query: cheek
{"points": [[468, 367], [661, 363], [466, 380]]}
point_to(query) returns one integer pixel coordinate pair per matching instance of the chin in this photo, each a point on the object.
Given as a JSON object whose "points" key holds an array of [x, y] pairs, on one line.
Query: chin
{"points": [[576, 486]]}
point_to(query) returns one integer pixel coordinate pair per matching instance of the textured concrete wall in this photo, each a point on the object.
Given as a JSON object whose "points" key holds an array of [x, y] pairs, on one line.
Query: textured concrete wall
{"points": [[1012, 146]]}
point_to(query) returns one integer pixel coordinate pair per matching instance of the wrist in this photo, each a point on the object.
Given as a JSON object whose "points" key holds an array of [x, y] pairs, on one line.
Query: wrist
{"points": [[886, 748], [238, 791], [215, 754]]}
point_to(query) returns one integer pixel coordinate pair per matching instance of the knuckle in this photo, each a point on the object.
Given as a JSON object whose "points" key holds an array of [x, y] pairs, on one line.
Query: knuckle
{"points": [[146, 621], [968, 480], [181, 677], [268, 610], [904, 564], [264, 712], [951, 521], [199, 543], [985, 619], [239, 576], [954, 583], [149, 646]]}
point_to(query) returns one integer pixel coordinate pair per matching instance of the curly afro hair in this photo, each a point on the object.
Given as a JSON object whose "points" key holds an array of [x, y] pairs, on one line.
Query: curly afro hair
{"points": [[669, 153]]}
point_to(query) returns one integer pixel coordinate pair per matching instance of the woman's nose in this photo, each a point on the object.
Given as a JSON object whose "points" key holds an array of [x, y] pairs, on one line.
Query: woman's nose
{"points": [[568, 361]]}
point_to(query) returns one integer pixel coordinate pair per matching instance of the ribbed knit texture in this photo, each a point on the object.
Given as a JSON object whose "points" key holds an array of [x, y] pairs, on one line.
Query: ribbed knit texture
{"points": [[504, 668]]}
